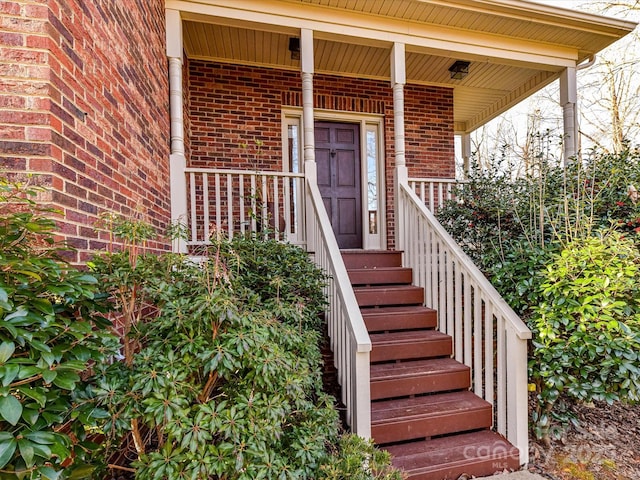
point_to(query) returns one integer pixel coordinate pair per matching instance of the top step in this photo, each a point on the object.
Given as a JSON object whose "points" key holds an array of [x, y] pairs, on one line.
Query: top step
{"points": [[371, 258]]}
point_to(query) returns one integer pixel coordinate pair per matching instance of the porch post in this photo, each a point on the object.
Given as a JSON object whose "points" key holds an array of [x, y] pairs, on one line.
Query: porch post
{"points": [[466, 153], [309, 151], [177, 159], [401, 176], [568, 100]]}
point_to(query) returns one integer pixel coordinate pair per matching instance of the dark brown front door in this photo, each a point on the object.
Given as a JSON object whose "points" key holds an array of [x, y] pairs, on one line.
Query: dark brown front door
{"points": [[338, 161]]}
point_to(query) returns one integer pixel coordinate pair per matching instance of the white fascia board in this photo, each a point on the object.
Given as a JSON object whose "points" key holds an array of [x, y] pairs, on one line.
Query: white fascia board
{"points": [[412, 34]]}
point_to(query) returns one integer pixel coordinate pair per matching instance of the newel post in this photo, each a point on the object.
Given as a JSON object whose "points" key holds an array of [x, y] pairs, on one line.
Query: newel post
{"points": [[398, 80], [177, 159]]}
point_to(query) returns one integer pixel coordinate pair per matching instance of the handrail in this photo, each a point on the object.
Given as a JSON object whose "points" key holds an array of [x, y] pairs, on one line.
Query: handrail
{"points": [[488, 335], [348, 334]]}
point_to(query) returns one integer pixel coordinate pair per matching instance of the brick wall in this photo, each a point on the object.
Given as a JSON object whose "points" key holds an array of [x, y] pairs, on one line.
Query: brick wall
{"points": [[231, 105], [83, 101]]}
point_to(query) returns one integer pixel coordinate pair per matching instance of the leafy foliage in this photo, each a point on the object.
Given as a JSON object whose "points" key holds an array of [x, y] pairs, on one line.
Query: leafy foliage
{"points": [[538, 237], [225, 381], [348, 458], [51, 333], [587, 329]]}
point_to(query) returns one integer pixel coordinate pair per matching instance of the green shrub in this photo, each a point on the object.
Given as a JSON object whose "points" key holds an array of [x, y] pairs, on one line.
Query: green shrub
{"points": [[225, 381], [280, 274], [587, 328], [348, 458], [51, 334]]}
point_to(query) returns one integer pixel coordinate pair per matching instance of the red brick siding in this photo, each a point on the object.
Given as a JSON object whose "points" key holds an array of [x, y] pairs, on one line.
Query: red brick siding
{"points": [[83, 100], [230, 105]]}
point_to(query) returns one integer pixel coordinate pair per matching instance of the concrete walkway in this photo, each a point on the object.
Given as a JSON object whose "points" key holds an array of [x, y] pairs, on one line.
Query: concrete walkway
{"points": [[522, 475]]}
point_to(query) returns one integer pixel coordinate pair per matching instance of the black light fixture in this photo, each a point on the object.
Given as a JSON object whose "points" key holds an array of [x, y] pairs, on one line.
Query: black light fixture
{"points": [[294, 48], [459, 69]]}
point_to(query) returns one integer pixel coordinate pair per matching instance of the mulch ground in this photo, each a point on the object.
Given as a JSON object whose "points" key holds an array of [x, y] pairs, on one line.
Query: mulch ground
{"points": [[605, 445]]}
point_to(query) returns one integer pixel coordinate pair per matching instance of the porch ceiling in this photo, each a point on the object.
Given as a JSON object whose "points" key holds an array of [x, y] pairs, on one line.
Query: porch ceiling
{"points": [[515, 47]]}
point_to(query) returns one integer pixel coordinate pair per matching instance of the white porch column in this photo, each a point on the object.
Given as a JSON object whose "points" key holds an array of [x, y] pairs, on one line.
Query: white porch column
{"points": [[568, 101], [177, 159], [309, 140], [465, 140], [401, 175], [307, 65]]}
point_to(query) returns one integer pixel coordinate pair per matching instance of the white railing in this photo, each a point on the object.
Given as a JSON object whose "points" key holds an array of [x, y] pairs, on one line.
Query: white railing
{"points": [[228, 202], [350, 340], [488, 335], [434, 191]]}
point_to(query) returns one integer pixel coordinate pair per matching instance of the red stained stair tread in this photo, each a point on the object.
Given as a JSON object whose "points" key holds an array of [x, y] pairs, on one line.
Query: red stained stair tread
{"points": [[447, 458], [427, 416]]}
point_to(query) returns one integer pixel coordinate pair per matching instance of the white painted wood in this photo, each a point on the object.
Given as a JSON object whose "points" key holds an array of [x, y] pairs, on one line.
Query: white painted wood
{"points": [[173, 33], [568, 102], [307, 61], [487, 334], [466, 153], [517, 398], [177, 159], [501, 373], [231, 202], [205, 195], [348, 334], [467, 311], [435, 38], [194, 223], [458, 314], [434, 191]]}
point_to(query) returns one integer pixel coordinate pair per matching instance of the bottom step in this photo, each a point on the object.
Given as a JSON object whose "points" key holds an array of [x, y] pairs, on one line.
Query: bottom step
{"points": [[478, 453]]}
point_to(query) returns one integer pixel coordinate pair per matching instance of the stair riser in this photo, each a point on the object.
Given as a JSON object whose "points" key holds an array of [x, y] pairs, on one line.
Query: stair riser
{"points": [[416, 385], [445, 423], [428, 349], [404, 321], [381, 277], [409, 296], [372, 259]]}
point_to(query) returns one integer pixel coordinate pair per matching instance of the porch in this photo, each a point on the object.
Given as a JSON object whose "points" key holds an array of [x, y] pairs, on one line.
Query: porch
{"points": [[347, 113]]}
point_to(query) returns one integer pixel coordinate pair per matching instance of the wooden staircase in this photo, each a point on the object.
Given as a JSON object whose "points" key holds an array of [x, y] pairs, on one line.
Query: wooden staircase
{"points": [[422, 411]]}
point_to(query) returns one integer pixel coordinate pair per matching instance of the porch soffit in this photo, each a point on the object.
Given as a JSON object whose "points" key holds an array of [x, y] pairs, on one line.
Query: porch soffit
{"points": [[515, 47]]}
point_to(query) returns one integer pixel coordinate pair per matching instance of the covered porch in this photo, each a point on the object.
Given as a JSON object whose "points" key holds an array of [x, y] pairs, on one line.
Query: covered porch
{"points": [[331, 124]]}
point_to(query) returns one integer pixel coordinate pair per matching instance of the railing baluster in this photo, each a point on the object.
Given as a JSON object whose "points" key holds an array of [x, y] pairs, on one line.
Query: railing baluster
{"points": [[218, 207], [286, 183], [501, 373], [230, 228], [459, 335], [489, 338], [276, 209], [477, 342], [205, 201], [194, 223], [243, 227], [468, 315], [488, 335]]}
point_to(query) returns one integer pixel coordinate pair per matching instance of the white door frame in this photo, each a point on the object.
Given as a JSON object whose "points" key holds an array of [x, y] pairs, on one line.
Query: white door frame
{"points": [[377, 239]]}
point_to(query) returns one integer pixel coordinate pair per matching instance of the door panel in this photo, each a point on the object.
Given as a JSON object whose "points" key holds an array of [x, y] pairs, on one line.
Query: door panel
{"points": [[339, 179]]}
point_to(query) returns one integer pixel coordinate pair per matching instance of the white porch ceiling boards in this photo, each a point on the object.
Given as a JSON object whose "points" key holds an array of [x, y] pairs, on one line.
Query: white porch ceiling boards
{"points": [[515, 47]]}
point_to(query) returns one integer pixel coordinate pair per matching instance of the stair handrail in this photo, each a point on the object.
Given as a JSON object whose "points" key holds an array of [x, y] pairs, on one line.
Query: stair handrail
{"points": [[470, 309], [350, 341]]}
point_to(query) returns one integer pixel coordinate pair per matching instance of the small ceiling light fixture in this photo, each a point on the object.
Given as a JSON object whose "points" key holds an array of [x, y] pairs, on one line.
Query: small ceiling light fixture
{"points": [[459, 69], [294, 48]]}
